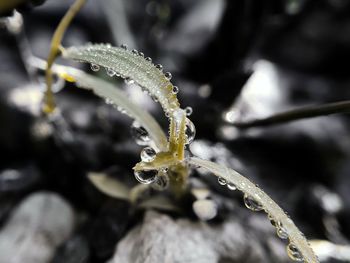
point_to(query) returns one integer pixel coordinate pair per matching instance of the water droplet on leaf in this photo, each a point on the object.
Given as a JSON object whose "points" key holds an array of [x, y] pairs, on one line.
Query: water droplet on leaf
{"points": [[251, 203], [294, 253], [148, 154], [188, 111], [129, 81], [159, 66], [222, 181], [190, 131], [281, 231], [231, 186], [110, 72], [168, 75], [175, 90], [146, 177], [94, 67]]}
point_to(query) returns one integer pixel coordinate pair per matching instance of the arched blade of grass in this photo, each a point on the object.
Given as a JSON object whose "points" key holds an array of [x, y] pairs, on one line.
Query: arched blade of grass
{"points": [[275, 213], [109, 92]]}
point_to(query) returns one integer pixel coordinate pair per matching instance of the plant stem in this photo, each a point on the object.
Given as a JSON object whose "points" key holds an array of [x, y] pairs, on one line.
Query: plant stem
{"points": [[296, 114], [49, 103]]}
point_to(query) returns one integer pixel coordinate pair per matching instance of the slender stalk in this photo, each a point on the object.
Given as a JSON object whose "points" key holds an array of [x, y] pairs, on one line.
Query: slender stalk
{"points": [[49, 103], [296, 114]]}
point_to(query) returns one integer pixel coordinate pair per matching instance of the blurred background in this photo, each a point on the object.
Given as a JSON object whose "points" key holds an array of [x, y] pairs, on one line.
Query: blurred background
{"points": [[232, 60]]}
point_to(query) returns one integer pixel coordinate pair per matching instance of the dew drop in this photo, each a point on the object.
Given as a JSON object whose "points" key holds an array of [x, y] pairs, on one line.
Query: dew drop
{"points": [[129, 81], [110, 72], [108, 101], [135, 52], [159, 66], [251, 203], [175, 90], [281, 231], [140, 134], [146, 176], [122, 110], [148, 154], [141, 54], [168, 75], [231, 186], [148, 59], [190, 131], [222, 181], [124, 46], [294, 253], [94, 67], [188, 111]]}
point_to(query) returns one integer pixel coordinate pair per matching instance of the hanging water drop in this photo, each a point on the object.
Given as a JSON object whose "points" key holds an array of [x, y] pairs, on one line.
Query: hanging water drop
{"points": [[222, 181], [140, 134], [175, 90], [135, 52], [148, 59], [190, 131], [168, 75], [251, 203], [146, 176], [94, 67], [281, 231], [148, 154], [129, 81], [109, 101], [141, 54], [110, 72], [124, 46], [159, 66], [231, 186], [294, 253], [188, 111]]}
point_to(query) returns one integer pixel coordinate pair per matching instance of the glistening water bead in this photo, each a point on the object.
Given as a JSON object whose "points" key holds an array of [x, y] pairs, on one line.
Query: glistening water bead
{"points": [[231, 186], [148, 154], [168, 75], [222, 181], [110, 72], [159, 66], [188, 111], [190, 131], [146, 176], [251, 203], [294, 253], [94, 67], [175, 90], [281, 231], [140, 134]]}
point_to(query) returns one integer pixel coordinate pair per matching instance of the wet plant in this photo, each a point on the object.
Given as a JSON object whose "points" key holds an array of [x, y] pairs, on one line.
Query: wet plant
{"points": [[164, 162]]}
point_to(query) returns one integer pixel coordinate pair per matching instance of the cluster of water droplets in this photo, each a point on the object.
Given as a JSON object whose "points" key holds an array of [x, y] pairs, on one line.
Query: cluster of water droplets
{"points": [[158, 178], [252, 204]]}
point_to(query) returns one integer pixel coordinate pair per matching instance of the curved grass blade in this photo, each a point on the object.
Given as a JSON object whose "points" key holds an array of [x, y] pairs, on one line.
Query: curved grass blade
{"points": [[279, 217], [130, 65], [109, 92]]}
